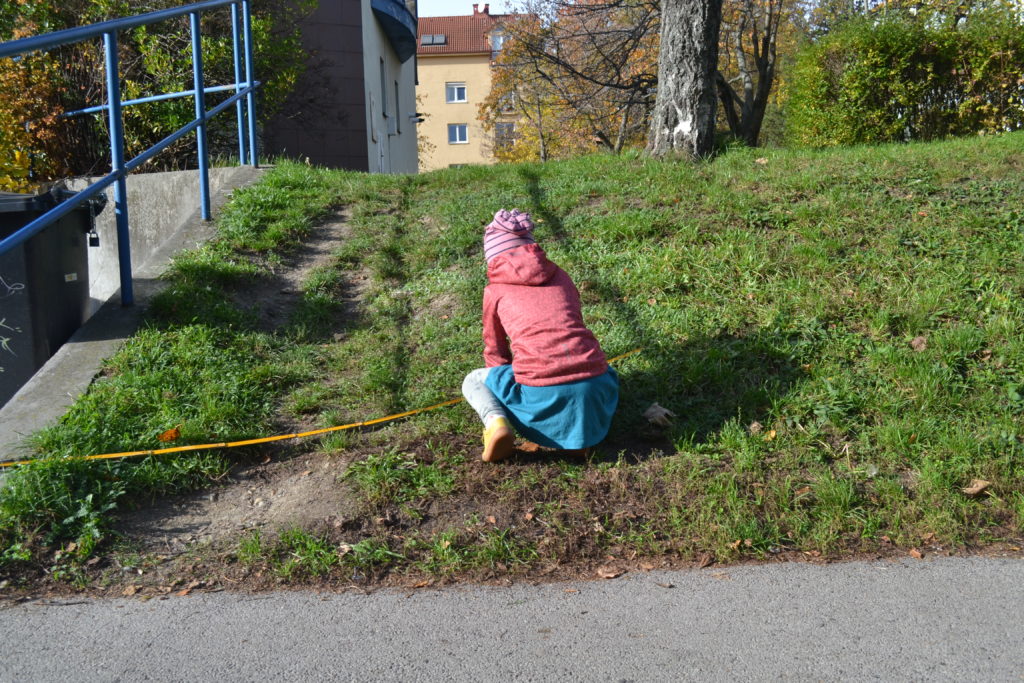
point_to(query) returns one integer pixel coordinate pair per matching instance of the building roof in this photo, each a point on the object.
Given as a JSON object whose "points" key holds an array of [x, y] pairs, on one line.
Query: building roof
{"points": [[463, 34]]}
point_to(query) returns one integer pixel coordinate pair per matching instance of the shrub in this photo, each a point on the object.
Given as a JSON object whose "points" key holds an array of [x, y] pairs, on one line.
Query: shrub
{"points": [[154, 59], [901, 77]]}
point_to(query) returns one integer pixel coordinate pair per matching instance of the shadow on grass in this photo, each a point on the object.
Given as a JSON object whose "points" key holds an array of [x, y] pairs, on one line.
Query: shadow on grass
{"points": [[705, 381]]}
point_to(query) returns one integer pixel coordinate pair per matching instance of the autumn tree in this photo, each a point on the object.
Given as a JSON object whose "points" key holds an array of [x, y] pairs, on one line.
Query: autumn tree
{"points": [[586, 72], [748, 62], [584, 69], [153, 59]]}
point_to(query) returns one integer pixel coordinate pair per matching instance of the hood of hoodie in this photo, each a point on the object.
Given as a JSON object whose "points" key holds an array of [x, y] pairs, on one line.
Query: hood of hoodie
{"points": [[525, 265]]}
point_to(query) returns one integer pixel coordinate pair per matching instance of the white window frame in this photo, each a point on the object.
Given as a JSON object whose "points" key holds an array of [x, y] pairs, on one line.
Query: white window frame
{"points": [[455, 127], [498, 39], [451, 93], [507, 138]]}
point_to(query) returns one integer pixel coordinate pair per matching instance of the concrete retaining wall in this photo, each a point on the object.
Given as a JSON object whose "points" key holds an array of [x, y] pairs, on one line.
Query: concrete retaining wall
{"points": [[158, 205], [164, 219]]}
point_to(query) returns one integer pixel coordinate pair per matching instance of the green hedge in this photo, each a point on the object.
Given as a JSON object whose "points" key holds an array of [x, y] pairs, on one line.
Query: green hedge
{"points": [[901, 77]]}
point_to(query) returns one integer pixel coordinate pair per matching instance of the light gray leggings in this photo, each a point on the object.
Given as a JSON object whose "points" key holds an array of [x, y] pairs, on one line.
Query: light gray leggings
{"points": [[480, 397]]}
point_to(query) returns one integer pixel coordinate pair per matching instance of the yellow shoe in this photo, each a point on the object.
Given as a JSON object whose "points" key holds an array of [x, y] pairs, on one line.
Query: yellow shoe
{"points": [[498, 440]]}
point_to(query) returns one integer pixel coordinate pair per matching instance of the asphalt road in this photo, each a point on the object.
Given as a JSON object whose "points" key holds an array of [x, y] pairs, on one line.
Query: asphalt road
{"points": [[942, 619]]}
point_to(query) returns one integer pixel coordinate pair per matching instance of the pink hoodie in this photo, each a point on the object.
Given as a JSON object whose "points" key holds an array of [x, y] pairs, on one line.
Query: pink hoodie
{"points": [[534, 303]]}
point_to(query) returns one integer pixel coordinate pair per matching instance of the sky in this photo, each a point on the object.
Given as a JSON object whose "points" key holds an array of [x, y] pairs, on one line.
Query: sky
{"points": [[445, 8]]}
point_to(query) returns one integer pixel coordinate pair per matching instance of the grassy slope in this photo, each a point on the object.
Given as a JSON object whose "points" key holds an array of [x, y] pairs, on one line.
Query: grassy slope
{"points": [[840, 335]]}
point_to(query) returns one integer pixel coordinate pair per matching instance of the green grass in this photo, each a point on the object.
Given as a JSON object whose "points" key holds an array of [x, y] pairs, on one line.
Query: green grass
{"points": [[839, 333], [297, 553], [393, 478]]}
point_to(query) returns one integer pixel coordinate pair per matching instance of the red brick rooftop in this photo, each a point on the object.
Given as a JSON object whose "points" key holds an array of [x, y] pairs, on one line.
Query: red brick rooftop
{"points": [[464, 34]]}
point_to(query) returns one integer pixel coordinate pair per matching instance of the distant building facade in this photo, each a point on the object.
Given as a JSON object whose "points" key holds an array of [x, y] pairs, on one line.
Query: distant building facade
{"points": [[354, 107], [455, 56]]}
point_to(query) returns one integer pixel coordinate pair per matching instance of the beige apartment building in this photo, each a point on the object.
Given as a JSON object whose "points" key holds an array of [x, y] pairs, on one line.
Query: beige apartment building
{"points": [[454, 56]]}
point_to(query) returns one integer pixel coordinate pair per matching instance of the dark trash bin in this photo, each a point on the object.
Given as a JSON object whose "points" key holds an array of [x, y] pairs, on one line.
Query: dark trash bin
{"points": [[44, 283]]}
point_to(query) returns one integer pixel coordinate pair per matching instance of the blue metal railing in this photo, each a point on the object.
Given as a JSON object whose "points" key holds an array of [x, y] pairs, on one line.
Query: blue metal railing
{"points": [[244, 87]]}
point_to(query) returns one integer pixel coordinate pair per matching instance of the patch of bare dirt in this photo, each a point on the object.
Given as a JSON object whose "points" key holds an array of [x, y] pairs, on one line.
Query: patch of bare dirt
{"points": [[290, 487], [276, 297], [301, 491]]}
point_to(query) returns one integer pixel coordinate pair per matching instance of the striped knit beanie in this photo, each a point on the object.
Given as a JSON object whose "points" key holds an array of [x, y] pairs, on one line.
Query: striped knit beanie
{"points": [[508, 230]]}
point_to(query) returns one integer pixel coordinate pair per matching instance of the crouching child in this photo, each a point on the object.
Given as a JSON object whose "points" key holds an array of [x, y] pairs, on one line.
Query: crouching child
{"points": [[545, 374]]}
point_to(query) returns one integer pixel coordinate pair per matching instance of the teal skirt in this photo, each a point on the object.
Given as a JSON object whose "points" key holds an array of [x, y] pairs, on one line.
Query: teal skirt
{"points": [[567, 416]]}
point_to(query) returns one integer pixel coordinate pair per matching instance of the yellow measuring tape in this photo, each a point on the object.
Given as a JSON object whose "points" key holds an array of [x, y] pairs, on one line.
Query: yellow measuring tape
{"points": [[280, 437]]}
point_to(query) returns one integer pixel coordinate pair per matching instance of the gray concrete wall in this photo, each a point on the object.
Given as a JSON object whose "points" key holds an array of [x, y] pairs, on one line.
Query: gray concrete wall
{"points": [[158, 205], [164, 219]]}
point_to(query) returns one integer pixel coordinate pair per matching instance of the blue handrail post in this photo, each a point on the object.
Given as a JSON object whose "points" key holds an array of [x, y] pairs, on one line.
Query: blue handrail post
{"points": [[124, 251], [200, 99], [236, 36], [250, 78]]}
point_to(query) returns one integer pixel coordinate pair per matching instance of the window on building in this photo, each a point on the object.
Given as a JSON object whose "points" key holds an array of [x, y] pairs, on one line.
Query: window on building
{"points": [[497, 41], [504, 134], [433, 39], [398, 113], [454, 92], [458, 133], [383, 89], [507, 103]]}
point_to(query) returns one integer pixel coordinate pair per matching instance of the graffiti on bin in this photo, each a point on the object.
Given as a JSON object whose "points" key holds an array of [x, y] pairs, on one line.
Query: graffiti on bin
{"points": [[9, 289], [7, 332]]}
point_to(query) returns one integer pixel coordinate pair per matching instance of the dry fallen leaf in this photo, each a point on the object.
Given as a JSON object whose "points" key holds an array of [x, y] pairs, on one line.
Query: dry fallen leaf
{"points": [[421, 584], [491, 519], [916, 554], [704, 561], [528, 516], [666, 585], [659, 416], [755, 427], [919, 344], [570, 590], [183, 592], [646, 566], [761, 160], [736, 544], [171, 434], [652, 301], [770, 435], [802, 491], [609, 572], [976, 487], [130, 590]]}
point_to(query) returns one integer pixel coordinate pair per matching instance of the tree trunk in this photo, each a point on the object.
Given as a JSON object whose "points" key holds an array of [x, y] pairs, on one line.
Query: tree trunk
{"points": [[683, 121]]}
